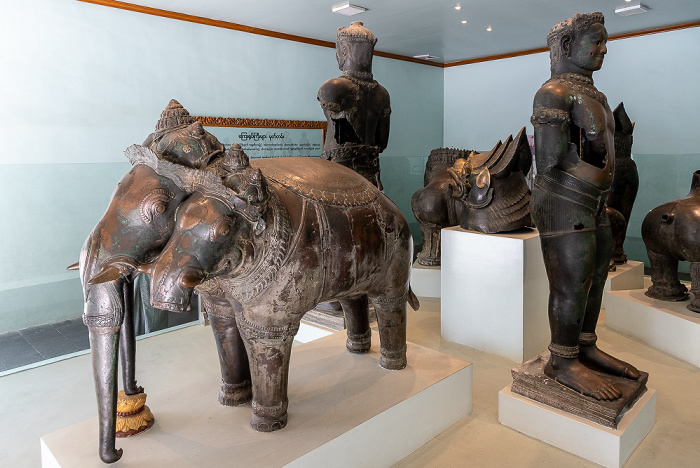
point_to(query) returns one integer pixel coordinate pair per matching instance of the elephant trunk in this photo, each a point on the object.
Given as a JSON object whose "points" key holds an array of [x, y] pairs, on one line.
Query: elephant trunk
{"points": [[104, 342]]}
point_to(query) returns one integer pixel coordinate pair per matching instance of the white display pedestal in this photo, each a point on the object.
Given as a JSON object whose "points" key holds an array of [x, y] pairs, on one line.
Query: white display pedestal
{"points": [[629, 275], [668, 326], [495, 292], [596, 443], [344, 410], [425, 280]]}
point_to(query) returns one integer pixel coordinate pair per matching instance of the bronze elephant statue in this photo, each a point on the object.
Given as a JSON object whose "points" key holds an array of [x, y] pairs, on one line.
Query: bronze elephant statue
{"points": [[135, 227], [277, 237], [671, 232]]}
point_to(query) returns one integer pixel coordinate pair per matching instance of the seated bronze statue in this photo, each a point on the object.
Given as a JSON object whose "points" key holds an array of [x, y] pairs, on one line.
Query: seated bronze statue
{"points": [[575, 156]]}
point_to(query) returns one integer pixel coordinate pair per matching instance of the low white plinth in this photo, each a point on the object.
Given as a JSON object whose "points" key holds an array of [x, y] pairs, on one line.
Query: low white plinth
{"points": [[596, 443], [425, 280], [668, 326], [344, 410], [629, 275], [495, 292]]}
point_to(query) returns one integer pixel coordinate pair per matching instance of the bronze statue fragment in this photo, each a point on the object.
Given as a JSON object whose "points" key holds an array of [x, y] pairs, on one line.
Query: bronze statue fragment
{"points": [[575, 156], [625, 183], [484, 192], [433, 205], [671, 232], [276, 238], [356, 106]]}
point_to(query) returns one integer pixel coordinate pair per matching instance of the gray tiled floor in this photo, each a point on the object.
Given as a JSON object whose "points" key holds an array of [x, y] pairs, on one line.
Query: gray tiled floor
{"points": [[35, 344]]}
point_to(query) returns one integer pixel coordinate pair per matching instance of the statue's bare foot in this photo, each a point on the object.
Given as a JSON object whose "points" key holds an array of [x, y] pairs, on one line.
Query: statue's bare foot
{"points": [[576, 376], [594, 358]]}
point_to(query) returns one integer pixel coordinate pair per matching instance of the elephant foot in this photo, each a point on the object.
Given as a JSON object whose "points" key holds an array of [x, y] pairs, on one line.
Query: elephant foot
{"points": [[427, 259], [393, 360], [110, 456], [235, 394], [359, 342], [619, 258], [133, 416], [268, 419], [668, 292]]}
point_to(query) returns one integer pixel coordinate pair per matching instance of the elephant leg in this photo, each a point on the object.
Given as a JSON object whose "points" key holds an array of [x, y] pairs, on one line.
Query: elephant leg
{"points": [[269, 349], [104, 343], [695, 286], [430, 253], [664, 276], [356, 311], [127, 343], [235, 373], [391, 320]]}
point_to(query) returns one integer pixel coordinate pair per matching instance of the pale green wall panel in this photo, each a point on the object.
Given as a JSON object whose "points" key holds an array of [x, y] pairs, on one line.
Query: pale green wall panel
{"points": [[88, 81]]}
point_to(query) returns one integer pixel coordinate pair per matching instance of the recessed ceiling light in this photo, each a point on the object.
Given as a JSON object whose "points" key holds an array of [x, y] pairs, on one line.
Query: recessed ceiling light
{"points": [[464, 21], [631, 10], [628, 0], [458, 7], [348, 9], [425, 57], [489, 28]]}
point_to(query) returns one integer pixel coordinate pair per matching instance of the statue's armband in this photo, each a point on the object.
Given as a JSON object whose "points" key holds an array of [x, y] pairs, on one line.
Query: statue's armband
{"points": [[548, 116]]}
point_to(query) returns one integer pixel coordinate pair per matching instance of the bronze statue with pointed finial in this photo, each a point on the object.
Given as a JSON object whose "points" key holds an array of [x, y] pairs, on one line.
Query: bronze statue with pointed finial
{"points": [[356, 106], [575, 156]]}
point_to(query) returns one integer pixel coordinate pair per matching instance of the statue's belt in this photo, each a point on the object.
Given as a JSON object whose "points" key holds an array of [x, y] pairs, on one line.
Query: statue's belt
{"points": [[355, 157], [564, 185]]}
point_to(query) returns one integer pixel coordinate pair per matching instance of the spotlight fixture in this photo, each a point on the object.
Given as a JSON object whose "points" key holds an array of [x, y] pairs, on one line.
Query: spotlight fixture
{"points": [[348, 9], [489, 28], [458, 7], [425, 57], [631, 10], [628, 1], [464, 21]]}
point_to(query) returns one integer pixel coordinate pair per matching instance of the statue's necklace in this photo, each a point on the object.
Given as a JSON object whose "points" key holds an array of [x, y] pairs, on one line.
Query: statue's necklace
{"points": [[581, 84], [360, 78]]}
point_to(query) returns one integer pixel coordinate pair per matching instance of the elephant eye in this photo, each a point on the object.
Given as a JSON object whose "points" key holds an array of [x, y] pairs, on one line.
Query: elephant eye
{"points": [[155, 204], [220, 228]]}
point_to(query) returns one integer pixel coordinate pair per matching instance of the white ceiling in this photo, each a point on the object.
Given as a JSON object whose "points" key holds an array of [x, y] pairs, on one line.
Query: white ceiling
{"points": [[413, 27]]}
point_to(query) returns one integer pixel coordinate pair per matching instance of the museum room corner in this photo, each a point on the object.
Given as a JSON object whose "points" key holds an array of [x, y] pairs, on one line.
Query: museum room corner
{"points": [[390, 234]]}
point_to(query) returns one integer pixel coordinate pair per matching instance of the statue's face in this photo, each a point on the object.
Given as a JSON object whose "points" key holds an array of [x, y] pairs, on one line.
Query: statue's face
{"points": [[589, 49]]}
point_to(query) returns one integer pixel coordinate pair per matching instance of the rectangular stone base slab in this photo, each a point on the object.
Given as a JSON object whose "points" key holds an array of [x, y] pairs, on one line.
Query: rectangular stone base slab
{"points": [[629, 275], [425, 280], [608, 447], [668, 326], [344, 410], [529, 380]]}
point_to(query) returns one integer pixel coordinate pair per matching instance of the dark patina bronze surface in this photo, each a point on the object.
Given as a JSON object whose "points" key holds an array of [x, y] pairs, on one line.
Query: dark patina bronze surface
{"points": [[625, 183], [275, 239], [575, 156], [671, 232], [484, 192], [356, 106], [137, 224]]}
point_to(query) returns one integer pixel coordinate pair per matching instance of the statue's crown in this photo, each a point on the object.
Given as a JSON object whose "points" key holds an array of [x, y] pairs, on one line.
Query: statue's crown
{"points": [[574, 25], [356, 32], [173, 116]]}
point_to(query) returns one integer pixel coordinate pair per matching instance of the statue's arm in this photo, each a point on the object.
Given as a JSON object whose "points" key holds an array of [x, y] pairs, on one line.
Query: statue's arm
{"points": [[551, 117], [382, 134]]}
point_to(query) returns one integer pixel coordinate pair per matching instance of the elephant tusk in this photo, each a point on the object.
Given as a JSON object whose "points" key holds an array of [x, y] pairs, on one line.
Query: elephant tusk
{"points": [[74, 266]]}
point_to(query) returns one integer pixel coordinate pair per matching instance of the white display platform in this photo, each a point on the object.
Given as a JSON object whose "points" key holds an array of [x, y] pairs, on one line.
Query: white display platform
{"points": [[425, 280], [599, 444], [668, 326], [495, 292], [629, 275], [344, 410]]}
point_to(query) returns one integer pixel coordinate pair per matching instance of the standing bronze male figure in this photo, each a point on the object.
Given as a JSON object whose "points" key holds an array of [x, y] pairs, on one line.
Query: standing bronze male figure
{"points": [[575, 156], [356, 106]]}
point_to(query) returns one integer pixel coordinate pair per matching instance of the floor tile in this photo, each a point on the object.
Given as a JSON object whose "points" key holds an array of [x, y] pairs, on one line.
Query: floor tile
{"points": [[15, 351], [71, 329]]}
